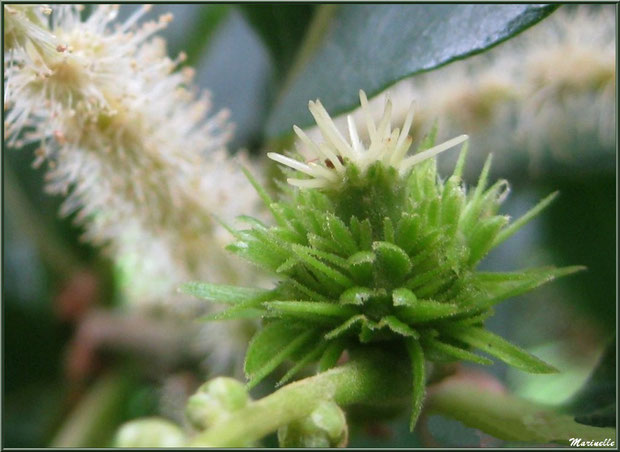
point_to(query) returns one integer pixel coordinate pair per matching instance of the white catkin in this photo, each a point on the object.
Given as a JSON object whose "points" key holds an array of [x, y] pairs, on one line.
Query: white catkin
{"points": [[132, 145]]}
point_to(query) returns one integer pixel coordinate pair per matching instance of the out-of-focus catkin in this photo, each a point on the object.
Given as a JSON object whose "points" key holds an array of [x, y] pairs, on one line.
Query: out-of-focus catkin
{"points": [[128, 140]]}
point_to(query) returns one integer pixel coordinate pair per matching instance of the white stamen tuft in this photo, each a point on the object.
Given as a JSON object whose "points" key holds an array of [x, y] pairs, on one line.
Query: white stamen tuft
{"points": [[334, 153]]}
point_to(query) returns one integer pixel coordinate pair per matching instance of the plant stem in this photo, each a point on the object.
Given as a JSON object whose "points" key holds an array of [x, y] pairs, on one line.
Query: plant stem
{"points": [[95, 418], [370, 378], [508, 417]]}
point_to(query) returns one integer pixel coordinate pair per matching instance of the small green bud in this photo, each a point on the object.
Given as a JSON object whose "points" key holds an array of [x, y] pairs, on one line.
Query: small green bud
{"points": [[215, 400], [149, 432], [325, 427]]}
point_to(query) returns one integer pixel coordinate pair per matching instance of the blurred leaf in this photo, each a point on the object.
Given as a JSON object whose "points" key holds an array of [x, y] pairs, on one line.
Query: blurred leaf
{"points": [[370, 47], [238, 73], [210, 17], [282, 29], [595, 403], [580, 228]]}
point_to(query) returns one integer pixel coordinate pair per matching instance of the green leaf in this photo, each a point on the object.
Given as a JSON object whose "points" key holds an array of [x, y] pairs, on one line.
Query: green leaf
{"points": [[404, 297], [305, 255], [496, 287], [329, 257], [281, 27], [341, 234], [416, 356], [260, 190], [331, 355], [426, 311], [399, 327], [209, 19], [236, 312], [455, 353], [483, 236], [524, 219], [393, 263], [407, 231], [307, 358], [500, 348], [365, 234], [453, 201], [306, 290], [360, 295], [346, 326], [361, 265], [311, 309], [595, 403], [371, 47], [271, 345], [388, 230], [222, 293], [265, 256]]}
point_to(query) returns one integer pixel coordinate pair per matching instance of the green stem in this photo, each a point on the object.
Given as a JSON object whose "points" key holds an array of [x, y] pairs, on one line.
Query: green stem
{"points": [[372, 378], [507, 417], [95, 418]]}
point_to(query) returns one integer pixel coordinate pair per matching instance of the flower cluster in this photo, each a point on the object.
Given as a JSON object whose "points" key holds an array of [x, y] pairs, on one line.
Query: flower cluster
{"points": [[127, 139], [132, 144], [387, 146], [376, 248]]}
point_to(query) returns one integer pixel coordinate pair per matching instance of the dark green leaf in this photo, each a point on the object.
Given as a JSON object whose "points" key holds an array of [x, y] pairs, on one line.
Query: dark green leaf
{"points": [[209, 19], [281, 27], [595, 403], [370, 47]]}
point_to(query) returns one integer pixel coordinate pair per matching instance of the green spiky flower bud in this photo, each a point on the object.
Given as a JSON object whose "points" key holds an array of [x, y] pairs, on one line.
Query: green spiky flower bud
{"points": [[215, 400], [149, 432], [372, 246], [325, 427]]}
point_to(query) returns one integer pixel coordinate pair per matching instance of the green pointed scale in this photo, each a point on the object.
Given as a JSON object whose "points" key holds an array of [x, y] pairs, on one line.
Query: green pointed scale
{"points": [[383, 257]]}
